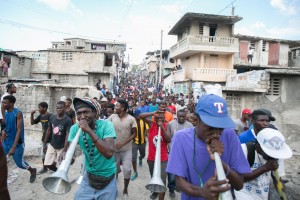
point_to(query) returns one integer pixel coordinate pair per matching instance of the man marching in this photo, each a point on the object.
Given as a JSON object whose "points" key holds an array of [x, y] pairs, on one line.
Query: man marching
{"points": [[97, 144], [191, 157]]}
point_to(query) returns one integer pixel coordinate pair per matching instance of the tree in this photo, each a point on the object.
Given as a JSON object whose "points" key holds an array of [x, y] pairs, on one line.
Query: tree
{"points": [[134, 68]]}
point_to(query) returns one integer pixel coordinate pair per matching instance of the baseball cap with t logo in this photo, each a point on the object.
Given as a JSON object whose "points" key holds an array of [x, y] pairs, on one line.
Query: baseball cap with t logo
{"points": [[213, 111]]}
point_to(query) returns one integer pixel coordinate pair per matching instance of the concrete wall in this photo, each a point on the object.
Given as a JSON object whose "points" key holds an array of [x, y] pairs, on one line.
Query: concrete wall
{"points": [[286, 110], [70, 79], [224, 30], [18, 70], [30, 95], [284, 55], [249, 80], [80, 62], [39, 60]]}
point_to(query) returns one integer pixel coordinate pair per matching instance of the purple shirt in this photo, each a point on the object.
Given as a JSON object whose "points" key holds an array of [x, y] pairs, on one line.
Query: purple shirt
{"points": [[181, 162]]}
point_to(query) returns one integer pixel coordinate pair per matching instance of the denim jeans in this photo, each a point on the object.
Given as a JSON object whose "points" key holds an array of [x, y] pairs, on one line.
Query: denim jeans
{"points": [[86, 192], [171, 182]]}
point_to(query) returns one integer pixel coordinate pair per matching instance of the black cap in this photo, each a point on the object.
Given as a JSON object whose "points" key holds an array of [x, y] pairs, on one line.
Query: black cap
{"points": [[267, 112]]}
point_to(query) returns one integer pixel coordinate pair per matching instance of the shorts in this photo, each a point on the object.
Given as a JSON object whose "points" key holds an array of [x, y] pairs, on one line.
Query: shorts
{"points": [[163, 166], [126, 158], [138, 147], [52, 155]]}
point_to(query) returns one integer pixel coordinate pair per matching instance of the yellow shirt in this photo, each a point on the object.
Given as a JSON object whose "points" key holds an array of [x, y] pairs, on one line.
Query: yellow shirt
{"points": [[141, 129]]}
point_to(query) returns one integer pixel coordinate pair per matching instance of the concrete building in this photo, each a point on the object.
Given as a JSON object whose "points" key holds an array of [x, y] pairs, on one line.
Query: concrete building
{"points": [[78, 61], [18, 66], [204, 51], [266, 52]]}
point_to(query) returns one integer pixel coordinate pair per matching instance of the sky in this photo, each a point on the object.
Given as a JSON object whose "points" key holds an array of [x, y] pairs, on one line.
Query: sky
{"points": [[33, 24]]}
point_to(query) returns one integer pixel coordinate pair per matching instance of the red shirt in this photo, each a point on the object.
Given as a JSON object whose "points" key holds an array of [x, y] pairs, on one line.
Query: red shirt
{"points": [[172, 109], [153, 132]]}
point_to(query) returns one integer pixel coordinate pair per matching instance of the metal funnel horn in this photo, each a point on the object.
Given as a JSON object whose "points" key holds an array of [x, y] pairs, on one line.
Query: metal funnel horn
{"points": [[58, 182], [156, 184]]}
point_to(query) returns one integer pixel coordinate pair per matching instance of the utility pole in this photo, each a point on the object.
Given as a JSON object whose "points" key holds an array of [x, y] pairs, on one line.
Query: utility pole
{"points": [[160, 60]]}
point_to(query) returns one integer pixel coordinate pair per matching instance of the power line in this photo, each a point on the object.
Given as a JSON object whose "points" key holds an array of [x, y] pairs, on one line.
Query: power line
{"points": [[12, 23], [227, 6]]}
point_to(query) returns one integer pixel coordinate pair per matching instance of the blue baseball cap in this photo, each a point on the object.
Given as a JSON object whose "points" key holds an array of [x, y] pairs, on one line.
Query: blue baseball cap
{"points": [[213, 111]]}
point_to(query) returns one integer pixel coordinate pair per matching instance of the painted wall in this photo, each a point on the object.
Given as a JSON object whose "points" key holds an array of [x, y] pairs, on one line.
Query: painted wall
{"points": [[273, 58], [251, 80]]}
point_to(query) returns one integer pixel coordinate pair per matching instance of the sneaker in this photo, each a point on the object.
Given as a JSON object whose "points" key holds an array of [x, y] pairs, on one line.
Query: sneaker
{"points": [[42, 171], [32, 175], [154, 195], [134, 176], [125, 196], [172, 195], [140, 162]]}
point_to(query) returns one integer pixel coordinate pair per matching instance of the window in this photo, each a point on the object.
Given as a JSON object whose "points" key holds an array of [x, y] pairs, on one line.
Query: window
{"points": [[275, 83], [264, 45], [67, 56], [294, 54], [233, 99], [252, 44], [64, 78], [201, 25], [22, 61]]}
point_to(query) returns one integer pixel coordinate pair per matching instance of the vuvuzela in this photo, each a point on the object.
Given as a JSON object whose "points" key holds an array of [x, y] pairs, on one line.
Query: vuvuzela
{"points": [[58, 182], [221, 176]]}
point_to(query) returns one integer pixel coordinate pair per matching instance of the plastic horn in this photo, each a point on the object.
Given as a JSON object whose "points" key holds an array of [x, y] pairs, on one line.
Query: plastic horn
{"points": [[221, 176]]}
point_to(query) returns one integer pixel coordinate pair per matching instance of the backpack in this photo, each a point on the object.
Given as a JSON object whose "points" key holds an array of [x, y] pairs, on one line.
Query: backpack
{"points": [[251, 152]]}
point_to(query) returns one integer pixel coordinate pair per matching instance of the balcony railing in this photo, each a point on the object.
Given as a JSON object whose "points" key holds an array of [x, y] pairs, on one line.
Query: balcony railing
{"points": [[211, 74], [178, 75], [205, 44]]}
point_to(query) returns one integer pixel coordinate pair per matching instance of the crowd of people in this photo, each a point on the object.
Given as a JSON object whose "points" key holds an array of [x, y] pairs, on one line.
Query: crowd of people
{"points": [[116, 127]]}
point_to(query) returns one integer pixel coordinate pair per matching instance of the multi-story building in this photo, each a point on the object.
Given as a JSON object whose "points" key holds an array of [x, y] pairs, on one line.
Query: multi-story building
{"points": [[78, 61], [266, 53], [204, 51]]}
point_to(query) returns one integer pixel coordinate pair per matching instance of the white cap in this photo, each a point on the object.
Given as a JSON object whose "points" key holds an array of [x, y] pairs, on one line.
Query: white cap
{"points": [[273, 144]]}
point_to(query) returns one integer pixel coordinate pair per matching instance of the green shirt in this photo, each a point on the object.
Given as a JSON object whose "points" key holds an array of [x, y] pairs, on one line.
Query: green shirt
{"points": [[101, 166]]}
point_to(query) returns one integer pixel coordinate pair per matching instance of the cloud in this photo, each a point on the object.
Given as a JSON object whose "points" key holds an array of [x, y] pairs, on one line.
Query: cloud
{"points": [[284, 7], [56, 4], [284, 32], [259, 25], [244, 30], [174, 9], [62, 5]]}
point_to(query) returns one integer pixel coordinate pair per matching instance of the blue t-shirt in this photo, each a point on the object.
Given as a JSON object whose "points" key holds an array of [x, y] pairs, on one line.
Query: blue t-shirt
{"points": [[153, 108], [143, 109], [181, 158], [11, 127], [246, 136]]}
